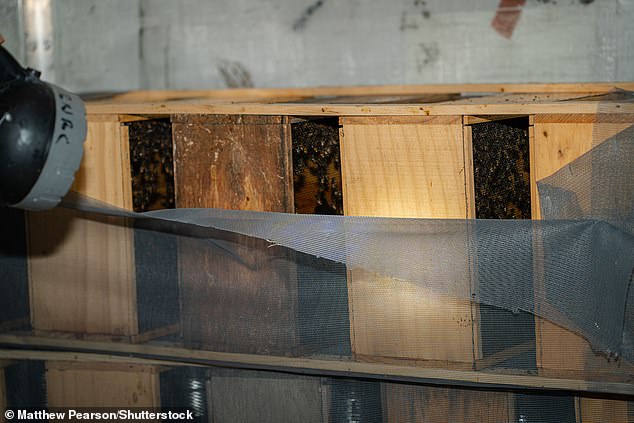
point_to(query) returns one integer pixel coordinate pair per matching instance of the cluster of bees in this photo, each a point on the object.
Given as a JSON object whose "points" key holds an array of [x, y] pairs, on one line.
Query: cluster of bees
{"points": [[152, 164], [502, 170], [316, 152]]}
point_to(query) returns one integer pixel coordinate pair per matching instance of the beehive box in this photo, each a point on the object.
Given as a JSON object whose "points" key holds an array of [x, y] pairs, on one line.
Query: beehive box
{"points": [[83, 277], [404, 152]]}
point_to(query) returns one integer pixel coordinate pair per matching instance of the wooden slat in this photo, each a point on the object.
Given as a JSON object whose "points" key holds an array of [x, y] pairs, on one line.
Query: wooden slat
{"points": [[469, 174], [383, 90], [411, 403], [475, 107], [94, 359], [556, 144], [81, 275], [101, 385], [384, 99], [405, 170], [332, 367], [600, 118], [240, 163], [593, 410], [400, 120]]}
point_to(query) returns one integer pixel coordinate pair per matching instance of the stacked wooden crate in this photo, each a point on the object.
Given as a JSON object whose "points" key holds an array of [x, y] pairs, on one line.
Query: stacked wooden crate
{"points": [[404, 152]]}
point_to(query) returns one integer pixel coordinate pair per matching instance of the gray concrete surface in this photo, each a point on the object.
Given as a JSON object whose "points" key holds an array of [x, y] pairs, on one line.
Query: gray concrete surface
{"points": [[10, 27], [130, 44]]}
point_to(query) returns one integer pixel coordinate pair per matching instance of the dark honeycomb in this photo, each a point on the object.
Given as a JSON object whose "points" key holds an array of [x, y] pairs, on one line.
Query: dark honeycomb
{"points": [[317, 167], [502, 169], [152, 164]]}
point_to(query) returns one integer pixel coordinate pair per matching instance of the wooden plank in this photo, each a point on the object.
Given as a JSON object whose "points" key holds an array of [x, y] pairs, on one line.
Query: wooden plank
{"points": [[411, 403], [560, 352], [601, 118], [469, 176], [104, 173], [81, 275], [384, 99], [594, 410], [94, 359], [380, 371], [240, 163], [405, 170], [244, 165], [101, 385], [81, 272], [400, 120], [383, 90], [475, 107]]}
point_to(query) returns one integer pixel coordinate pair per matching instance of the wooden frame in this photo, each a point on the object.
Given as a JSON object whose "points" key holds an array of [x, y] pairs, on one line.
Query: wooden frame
{"points": [[61, 298], [425, 130]]}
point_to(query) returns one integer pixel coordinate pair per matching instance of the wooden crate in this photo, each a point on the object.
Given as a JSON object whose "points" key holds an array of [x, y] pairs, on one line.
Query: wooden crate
{"points": [[83, 276], [405, 152]]}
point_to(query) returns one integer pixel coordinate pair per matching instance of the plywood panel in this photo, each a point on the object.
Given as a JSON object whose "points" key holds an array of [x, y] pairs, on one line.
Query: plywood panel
{"points": [[403, 170], [406, 167], [240, 163], [233, 162], [101, 385], [409, 403], [592, 410], [556, 144]]}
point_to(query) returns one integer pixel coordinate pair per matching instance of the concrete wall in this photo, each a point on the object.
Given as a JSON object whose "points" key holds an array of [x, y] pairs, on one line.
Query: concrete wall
{"points": [[128, 44], [10, 27]]}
